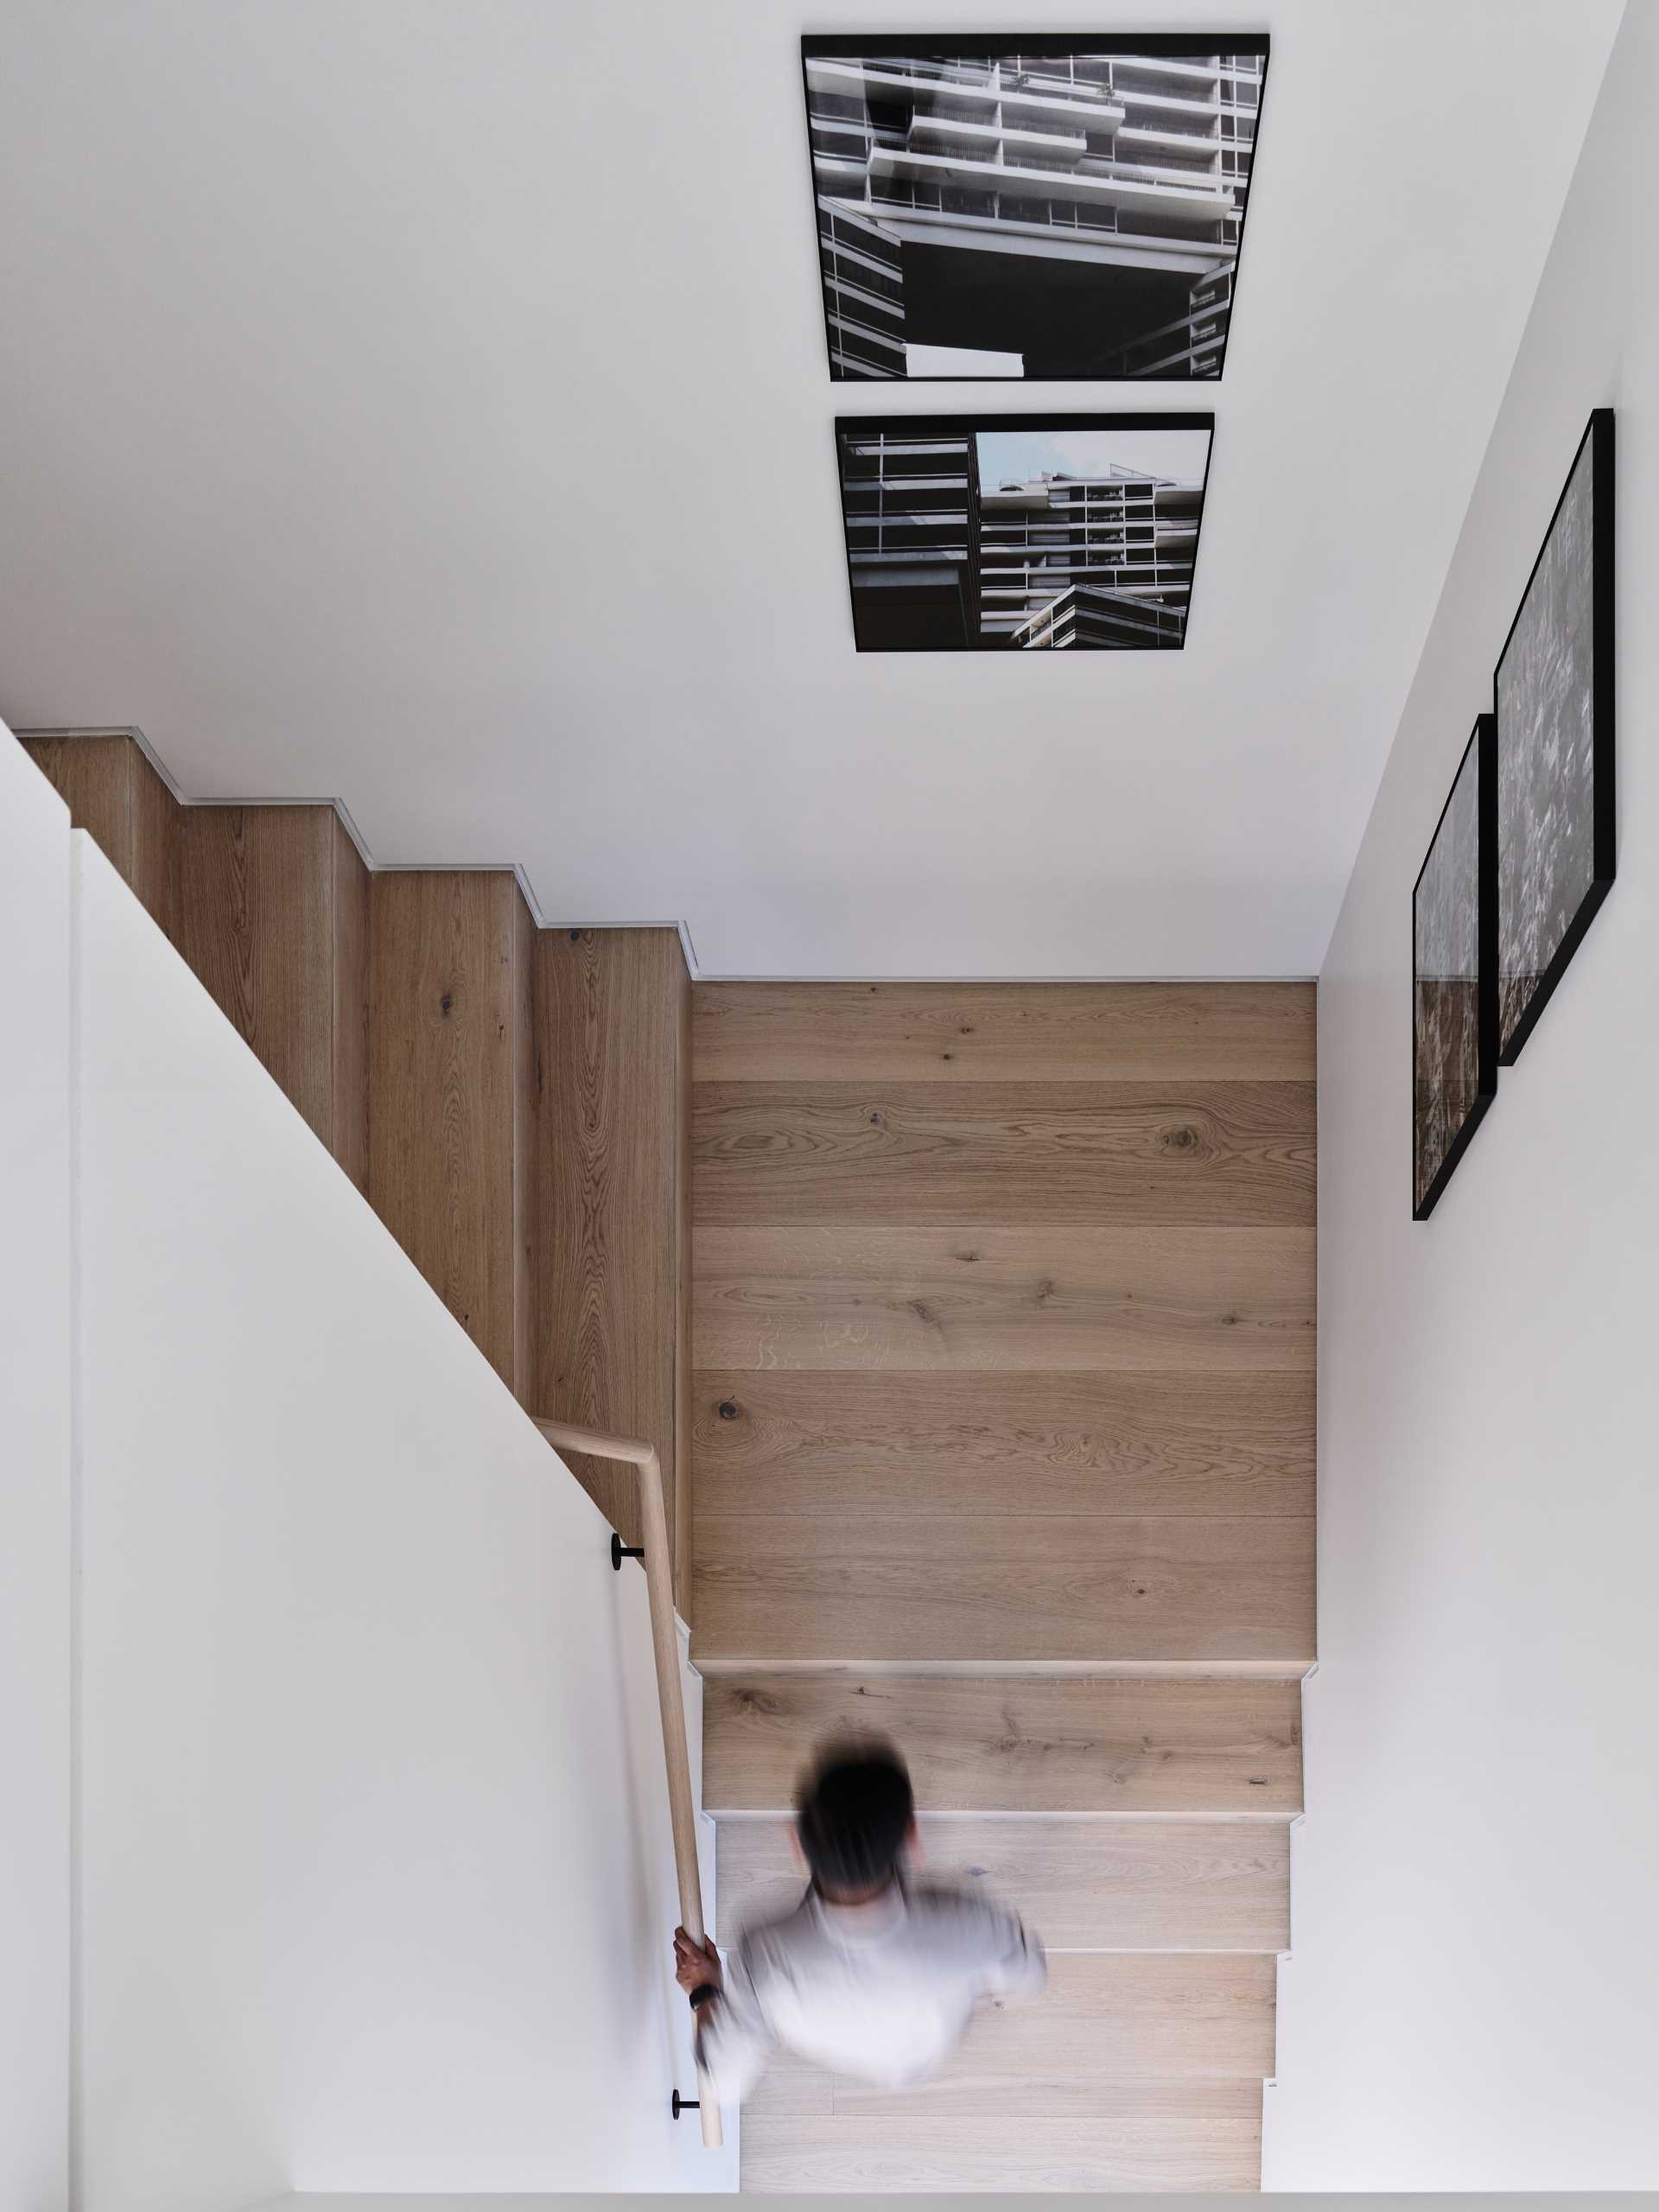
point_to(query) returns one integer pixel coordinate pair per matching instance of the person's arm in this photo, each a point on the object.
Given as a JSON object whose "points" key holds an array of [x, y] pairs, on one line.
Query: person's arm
{"points": [[1015, 1965], [732, 2037]]}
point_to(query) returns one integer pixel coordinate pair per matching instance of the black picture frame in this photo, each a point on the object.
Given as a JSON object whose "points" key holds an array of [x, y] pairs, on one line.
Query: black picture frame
{"points": [[1479, 758], [1598, 443], [957, 428], [1173, 45]]}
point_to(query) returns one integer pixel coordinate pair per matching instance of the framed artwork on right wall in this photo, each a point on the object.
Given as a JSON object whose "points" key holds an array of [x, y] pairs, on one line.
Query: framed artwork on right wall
{"points": [[1553, 697], [1453, 975]]}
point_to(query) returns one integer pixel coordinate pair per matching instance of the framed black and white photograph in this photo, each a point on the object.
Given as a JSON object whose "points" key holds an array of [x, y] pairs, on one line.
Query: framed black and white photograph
{"points": [[1454, 974], [1022, 533], [1044, 207], [1554, 695]]}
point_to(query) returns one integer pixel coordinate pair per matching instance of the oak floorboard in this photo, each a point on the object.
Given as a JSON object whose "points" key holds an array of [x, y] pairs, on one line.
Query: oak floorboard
{"points": [[1019, 1033], [790, 2085], [157, 849], [1106, 2017], [1114, 2015], [527, 1106], [865, 1443], [1091, 1884], [256, 924], [115, 795], [1016, 1744], [352, 906], [1035, 1299], [443, 1064], [1053, 1586], [92, 775], [1240, 1155], [609, 1271], [1192, 2136]]}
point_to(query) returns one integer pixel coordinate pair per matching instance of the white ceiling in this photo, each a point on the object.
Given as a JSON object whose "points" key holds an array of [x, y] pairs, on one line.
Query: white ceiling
{"points": [[426, 403]]}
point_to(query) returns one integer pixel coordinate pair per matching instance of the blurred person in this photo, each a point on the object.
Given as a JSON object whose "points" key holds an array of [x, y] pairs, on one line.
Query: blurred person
{"points": [[875, 1974]]}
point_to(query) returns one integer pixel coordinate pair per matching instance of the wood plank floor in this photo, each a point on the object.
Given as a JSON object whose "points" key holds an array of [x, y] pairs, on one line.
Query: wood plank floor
{"points": [[1239, 1154], [612, 1026], [987, 1298], [1088, 1884], [444, 1068], [1106, 2017], [1056, 1586], [1003, 1033], [778, 1441], [1198, 2137], [256, 924], [1016, 1743]]}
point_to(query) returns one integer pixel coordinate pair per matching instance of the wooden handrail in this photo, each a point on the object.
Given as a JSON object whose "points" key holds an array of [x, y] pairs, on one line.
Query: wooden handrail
{"points": [[665, 1643]]}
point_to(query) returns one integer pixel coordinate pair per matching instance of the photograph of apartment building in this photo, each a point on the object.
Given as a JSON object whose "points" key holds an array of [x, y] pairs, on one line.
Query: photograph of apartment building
{"points": [[1022, 533], [1047, 212]]}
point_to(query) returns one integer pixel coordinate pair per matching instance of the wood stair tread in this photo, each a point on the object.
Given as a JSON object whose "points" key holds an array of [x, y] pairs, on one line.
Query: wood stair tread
{"points": [[1200, 2136], [1105, 2017], [1073, 1586], [1017, 1743], [1103, 1151], [976, 1297], [1085, 1884], [771, 1441], [1025, 1033]]}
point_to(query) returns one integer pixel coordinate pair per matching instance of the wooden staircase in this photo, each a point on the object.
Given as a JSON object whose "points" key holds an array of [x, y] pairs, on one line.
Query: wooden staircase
{"points": [[1002, 1433], [512, 1100], [978, 1320]]}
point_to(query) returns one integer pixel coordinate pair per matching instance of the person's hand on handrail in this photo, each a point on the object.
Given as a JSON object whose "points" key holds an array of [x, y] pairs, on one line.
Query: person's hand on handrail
{"points": [[697, 1966]]}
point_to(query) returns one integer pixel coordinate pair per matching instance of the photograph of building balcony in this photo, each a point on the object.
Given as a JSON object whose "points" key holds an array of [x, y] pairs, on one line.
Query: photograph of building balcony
{"points": [[1022, 533], [1047, 212]]}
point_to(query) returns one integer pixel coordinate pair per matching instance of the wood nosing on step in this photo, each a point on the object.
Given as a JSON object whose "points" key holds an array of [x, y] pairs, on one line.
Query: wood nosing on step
{"points": [[1106, 1816], [1105, 1671]]}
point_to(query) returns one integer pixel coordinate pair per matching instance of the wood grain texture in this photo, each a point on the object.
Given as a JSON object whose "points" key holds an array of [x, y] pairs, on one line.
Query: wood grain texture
{"points": [[871, 1444], [1016, 1744], [1238, 1153], [444, 1065], [960, 1587], [991, 1033], [114, 794], [258, 926], [269, 905], [526, 1124], [1089, 1884], [1105, 2017], [1198, 2137], [352, 897], [157, 855], [93, 776], [977, 1297], [610, 1009]]}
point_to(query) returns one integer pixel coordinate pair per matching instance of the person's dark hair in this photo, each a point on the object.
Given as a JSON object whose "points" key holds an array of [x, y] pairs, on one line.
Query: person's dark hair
{"points": [[855, 1809]]}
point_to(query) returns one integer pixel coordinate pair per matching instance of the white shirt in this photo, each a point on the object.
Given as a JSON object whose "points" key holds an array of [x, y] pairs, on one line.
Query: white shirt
{"points": [[883, 1991]]}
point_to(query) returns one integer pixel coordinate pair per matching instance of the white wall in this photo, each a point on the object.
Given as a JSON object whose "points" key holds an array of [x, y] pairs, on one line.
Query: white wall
{"points": [[368, 1852], [34, 1488], [1472, 2001]]}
